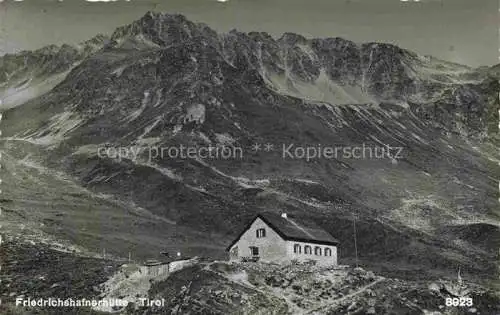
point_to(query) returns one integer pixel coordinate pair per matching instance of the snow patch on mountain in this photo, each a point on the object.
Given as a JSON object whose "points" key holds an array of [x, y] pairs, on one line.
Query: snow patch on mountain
{"points": [[144, 103], [137, 42], [323, 89], [57, 128], [118, 71], [150, 127], [196, 113], [17, 95], [306, 181], [224, 138]]}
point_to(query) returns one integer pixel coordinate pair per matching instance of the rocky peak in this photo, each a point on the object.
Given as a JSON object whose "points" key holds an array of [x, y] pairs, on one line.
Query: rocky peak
{"points": [[292, 39], [160, 28]]}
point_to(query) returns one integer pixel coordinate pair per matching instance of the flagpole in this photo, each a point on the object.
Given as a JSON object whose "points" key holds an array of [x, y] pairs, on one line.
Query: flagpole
{"points": [[355, 240]]}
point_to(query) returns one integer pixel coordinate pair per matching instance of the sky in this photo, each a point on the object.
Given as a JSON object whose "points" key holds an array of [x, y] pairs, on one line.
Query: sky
{"points": [[463, 31]]}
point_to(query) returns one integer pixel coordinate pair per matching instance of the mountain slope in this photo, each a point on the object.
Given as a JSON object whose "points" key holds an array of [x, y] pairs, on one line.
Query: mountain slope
{"points": [[164, 81], [29, 74]]}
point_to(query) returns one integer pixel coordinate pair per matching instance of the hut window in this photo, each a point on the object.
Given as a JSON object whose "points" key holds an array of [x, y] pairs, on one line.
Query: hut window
{"points": [[317, 251], [261, 233], [297, 249], [254, 251], [307, 250], [328, 252]]}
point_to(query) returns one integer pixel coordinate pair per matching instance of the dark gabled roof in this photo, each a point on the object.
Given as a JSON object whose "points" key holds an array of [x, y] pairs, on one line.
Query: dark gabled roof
{"points": [[154, 262], [291, 229]]}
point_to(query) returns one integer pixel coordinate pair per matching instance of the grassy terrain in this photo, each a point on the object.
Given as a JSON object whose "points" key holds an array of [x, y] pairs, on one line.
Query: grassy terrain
{"points": [[39, 271], [42, 202]]}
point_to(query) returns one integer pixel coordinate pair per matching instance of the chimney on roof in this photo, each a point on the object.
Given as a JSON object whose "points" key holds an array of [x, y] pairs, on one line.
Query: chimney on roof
{"points": [[284, 216]]}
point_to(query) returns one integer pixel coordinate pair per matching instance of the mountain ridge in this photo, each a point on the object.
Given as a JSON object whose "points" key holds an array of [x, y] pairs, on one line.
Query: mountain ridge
{"points": [[398, 76]]}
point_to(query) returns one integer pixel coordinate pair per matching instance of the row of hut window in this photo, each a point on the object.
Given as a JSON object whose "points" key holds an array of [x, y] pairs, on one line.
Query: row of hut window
{"points": [[297, 249]]}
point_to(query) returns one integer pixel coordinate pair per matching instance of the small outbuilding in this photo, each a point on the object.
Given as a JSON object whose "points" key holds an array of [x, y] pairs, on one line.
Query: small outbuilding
{"points": [[155, 268]]}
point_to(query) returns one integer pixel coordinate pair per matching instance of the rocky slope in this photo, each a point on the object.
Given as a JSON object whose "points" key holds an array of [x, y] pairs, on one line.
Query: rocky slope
{"points": [[165, 81], [248, 288], [215, 287]]}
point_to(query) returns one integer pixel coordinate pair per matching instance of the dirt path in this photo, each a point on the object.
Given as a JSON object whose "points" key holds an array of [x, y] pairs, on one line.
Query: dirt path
{"points": [[293, 307], [338, 301]]}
